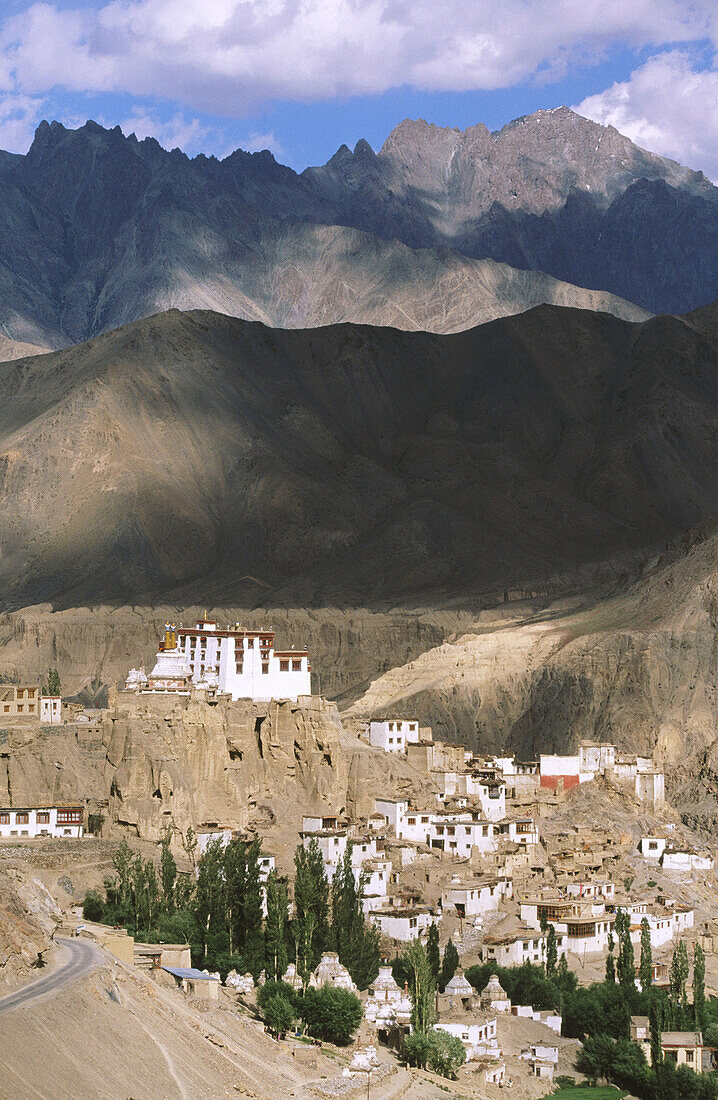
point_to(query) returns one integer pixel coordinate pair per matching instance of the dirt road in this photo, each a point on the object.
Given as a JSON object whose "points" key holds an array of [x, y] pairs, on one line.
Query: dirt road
{"points": [[83, 958]]}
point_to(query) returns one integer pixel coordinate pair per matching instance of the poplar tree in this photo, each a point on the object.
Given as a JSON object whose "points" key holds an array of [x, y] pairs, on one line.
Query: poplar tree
{"points": [[243, 901], [699, 986], [610, 963], [449, 964], [275, 947], [432, 950], [678, 979], [626, 967], [311, 908], [551, 952], [355, 941], [422, 986], [656, 1021], [209, 897], [168, 870], [645, 966]]}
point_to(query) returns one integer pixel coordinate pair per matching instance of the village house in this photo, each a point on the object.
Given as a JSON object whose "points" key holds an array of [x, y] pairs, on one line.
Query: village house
{"points": [[20, 701], [332, 844], [51, 710], [684, 863], [241, 663], [684, 1048], [512, 944], [637, 774], [403, 923], [195, 983], [393, 734], [476, 1032], [542, 1060], [652, 847], [475, 896], [36, 821]]}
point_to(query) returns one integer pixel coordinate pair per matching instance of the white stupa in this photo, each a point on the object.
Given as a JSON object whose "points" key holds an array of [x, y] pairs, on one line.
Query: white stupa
{"points": [[172, 671]]}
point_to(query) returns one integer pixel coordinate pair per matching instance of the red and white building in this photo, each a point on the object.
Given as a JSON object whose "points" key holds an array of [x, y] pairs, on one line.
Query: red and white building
{"points": [[240, 663]]}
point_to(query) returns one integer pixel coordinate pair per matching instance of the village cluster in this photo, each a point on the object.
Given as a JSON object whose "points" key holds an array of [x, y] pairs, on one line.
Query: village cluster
{"points": [[471, 857]]}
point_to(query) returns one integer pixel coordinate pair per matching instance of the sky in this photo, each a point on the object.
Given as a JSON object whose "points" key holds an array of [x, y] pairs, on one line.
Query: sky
{"points": [[302, 77]]}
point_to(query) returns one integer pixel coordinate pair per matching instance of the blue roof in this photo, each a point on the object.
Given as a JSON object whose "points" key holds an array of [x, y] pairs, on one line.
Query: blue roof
{"points": [[188, 972]]}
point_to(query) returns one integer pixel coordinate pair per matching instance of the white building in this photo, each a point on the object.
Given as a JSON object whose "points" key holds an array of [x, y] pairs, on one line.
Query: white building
{"points": [[403, 923], [684, 863], [332, 844], [477, 1034], [33, 821], [50, 710], [394, 810], [652, 847], [240, 663], [476, 896], [515, 946], [393, 734]]}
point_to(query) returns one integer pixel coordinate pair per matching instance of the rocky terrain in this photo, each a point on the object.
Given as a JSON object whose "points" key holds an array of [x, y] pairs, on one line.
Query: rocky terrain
{"points": [[439, 230], [637, 668], [194, 458], [132, 230]]}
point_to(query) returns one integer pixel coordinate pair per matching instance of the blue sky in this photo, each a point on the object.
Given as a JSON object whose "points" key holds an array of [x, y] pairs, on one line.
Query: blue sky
{"points": [[301, 77]]}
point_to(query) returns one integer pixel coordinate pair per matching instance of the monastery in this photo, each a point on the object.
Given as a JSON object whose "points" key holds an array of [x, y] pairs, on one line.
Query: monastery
{"points": [[240, 663]]}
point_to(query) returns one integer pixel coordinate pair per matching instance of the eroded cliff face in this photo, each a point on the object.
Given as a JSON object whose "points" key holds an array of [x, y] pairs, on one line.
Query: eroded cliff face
{"points": [[158, 760]]}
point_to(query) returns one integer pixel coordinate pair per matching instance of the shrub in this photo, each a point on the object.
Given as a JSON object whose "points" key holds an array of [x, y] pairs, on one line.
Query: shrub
{"points": [[441, 1052], [93, 907], [224, 962], [332, 1014], [416, 1048], [564, 1081], [446, 1053], [275, 989], [278, 1013]]}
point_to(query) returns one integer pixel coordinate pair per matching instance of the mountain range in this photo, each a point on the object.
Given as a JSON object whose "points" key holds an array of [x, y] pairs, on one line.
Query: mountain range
{"points": [[194, 456], [440, 230]]}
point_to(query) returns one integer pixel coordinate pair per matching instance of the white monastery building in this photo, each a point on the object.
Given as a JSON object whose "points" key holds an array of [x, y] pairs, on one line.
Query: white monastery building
{"points": [[240, 663], [33, 821]]}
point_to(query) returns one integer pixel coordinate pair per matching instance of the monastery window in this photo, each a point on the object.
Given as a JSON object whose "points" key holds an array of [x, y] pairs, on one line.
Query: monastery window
{"points": [[20, 707], [6, 708], [21, 693], [689, 1056], [411, 821], [31, 693], [296, 666], [69, 817], [424, 821], [4, 819], [43, 817], [21, 819], [284, 666], [412, 922], [265, 667], [31, 707]]}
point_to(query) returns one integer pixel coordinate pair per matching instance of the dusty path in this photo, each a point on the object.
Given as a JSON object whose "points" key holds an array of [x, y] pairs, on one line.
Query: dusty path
{"points": [[84, 957]]}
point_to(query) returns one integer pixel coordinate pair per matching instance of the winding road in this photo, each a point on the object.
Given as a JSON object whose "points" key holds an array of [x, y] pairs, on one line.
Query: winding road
{"points": [[84, 957]]}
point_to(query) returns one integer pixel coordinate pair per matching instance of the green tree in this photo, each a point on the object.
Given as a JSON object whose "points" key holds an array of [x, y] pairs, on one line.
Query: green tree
{"points": [[331, 1013], [279, 1014], [422, 986], [416, 1048], [551, 952], [610, 961], [209, 902], [699, 986], [678, 979], [243, 901], [432, 950], [645, 966], [446, 1053], [355, 941], [656, 1020], [311, 908], [626, 967], [93, 907], [275, 947], [168, 870], [448, 964], [54, 686], [122, 863]]}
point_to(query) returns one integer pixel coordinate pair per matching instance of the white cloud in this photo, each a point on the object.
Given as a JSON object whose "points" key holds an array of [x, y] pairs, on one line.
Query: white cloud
{"points": [[668, 106], [228, 56], [255, 143], [19, 115], [178, 132]]}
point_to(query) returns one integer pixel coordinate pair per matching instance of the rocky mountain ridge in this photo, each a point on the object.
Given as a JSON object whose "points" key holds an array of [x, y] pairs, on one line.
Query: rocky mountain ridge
{"points": [[440, 230]]}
